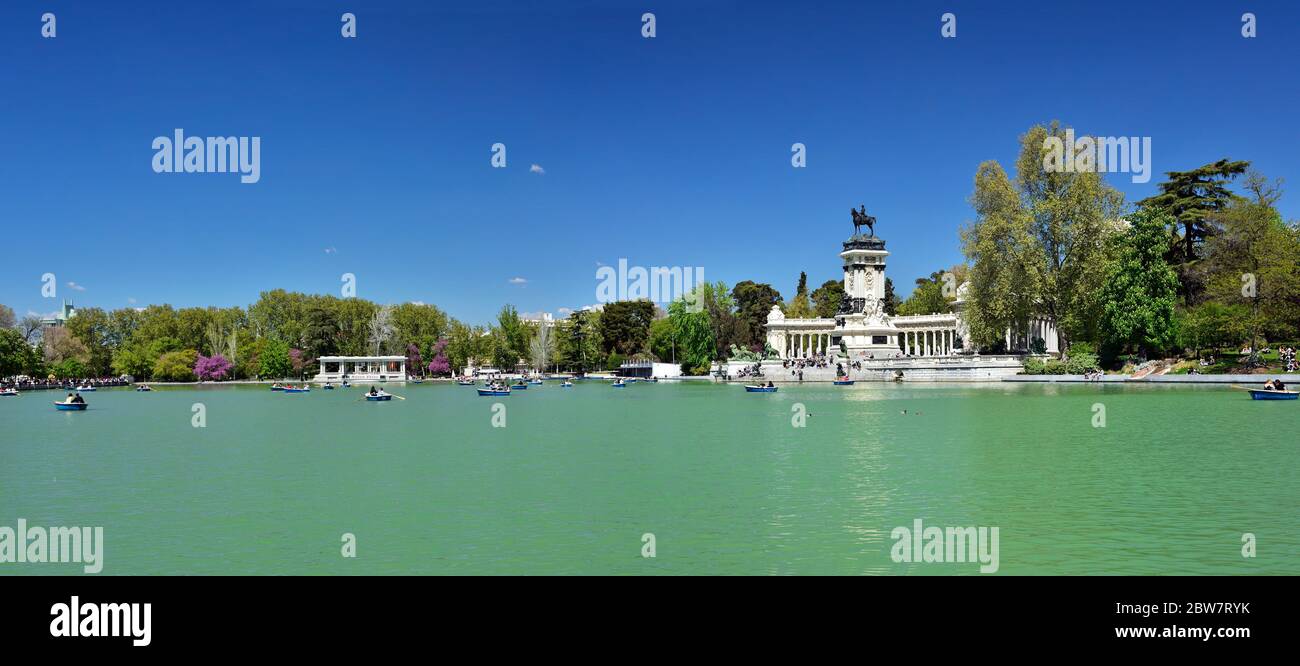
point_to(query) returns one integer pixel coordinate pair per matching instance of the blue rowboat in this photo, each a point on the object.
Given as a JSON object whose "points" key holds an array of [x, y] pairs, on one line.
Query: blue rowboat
{"points": [[617, 385], [465, 383], [760, 389], [328, 387], [86, 388], [844, 382], [296, 390], [1261, 394], [70, 406], [566, 385], [521, 387], [485, 391], [277, 388], [378, 398], [535, 382]]}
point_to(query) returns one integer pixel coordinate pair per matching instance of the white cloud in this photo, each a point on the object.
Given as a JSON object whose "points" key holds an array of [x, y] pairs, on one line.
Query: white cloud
{"points": [[518, 280], [417, 302], [537, 169], [331, 250], [131, 300], [565, 311], [75, 286]]}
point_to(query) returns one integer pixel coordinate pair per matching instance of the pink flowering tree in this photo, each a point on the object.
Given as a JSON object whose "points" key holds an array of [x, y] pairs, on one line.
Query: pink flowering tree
{"points": [[439, 365], [214, 368], [296, 361]]}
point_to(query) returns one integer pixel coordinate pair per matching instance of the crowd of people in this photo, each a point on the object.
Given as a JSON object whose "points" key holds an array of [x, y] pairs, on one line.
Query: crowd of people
{"points": [[33, 384]]}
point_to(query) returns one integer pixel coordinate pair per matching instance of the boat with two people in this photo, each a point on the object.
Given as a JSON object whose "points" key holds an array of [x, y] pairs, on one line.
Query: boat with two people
{"points": [[1274, 389], [770, 388], [73, 403]]}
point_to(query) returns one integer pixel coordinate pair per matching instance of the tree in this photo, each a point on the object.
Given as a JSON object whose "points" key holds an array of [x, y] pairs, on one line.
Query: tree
{"points": [[891, 298], [176, 366], [7, 318], [1254, 260], [510, 339], [381, 330], [661, 341], [754, 302], [1191, 197], [928, 296], [827, 298], [15, 353], [61, 345], [93, 327], [799, 307], [727, 327], [214, 368], [625, 325], [31, 328], [578, 343], [1141, 289], [542, 347], [440, 364], [695, 344], [1038, 245], [274, 360]]}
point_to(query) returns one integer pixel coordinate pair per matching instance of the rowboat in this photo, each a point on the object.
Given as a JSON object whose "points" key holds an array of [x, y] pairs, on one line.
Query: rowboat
{"points": [[143, 388], [9, 392], [379, 397], [277, 388], [535, 382], [843, 382], [464, 382], [328, 387], [566, 385], [490, 391], [70, 406], [86, 388], [521, 387], [1262, 394], [297, 390], [760, 389]]}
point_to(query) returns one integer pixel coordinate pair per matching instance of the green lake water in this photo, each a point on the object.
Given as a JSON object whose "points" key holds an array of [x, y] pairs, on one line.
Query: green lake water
{"points": [[720, 477]]}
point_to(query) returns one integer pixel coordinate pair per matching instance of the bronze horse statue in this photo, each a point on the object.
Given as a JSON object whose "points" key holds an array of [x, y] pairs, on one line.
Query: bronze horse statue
{"points": [[861, 218]]}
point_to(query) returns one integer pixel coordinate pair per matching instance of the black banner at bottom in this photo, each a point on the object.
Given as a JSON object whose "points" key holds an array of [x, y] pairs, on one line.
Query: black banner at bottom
{"points": [[241, 615]]}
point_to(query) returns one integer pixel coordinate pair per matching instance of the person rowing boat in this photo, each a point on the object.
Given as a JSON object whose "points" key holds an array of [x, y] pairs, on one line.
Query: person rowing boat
{"points": [[1274, 385]]}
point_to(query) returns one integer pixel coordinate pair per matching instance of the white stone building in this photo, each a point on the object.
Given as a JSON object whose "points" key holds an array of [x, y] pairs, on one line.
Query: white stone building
{"points": [[862, 331]]}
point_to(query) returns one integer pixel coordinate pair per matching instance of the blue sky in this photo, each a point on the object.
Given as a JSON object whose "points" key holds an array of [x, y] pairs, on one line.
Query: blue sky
{"points": [[672, 151]]}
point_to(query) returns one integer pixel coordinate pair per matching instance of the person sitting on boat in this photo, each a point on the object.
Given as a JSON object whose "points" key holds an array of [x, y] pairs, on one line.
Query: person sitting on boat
{"points": [[1270, 385], [1278, 385], [374, 391]]}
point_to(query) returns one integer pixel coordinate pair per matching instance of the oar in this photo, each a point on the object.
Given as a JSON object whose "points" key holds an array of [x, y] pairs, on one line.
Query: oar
{"points": [[397, 396]]}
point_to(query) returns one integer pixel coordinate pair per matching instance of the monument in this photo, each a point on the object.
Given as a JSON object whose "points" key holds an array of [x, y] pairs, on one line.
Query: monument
{"points": [[862, 327]]}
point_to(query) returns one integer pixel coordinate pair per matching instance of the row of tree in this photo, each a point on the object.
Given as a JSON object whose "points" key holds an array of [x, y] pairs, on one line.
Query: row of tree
{"points": [[1196, 266]]}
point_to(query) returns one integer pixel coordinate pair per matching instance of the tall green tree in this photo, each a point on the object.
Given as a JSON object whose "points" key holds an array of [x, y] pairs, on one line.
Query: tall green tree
{"points": [[753, 303], [625, 326], [695, 344], [827, 298], [1038, 245], [1191, 197], [800, 307], [1141, 289], [274, 359]]}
